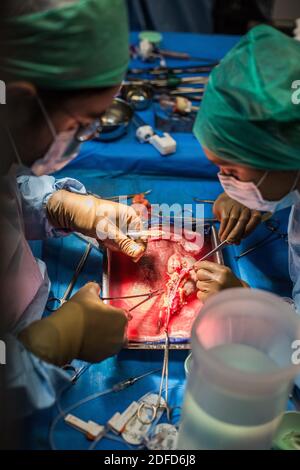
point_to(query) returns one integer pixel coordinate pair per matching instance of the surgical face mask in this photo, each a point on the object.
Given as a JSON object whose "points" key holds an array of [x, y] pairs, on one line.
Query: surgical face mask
{"points": [[248, 193], [63, 149]]}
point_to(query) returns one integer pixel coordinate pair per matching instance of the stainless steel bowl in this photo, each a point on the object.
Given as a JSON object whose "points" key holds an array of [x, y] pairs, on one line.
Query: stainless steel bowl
{"points": [[139, 96], [115, 121]]}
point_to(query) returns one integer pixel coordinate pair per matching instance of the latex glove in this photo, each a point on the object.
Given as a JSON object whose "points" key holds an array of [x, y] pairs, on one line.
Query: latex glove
{"points": [[83, 328], [211, 278], [105, 220], [237, 221]]}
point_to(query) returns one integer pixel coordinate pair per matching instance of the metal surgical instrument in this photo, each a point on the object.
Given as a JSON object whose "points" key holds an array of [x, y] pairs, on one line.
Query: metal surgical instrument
{"points": [[164, 379], [117, 198], [131, 381], [218, 247], [204, 201], [69, 290], [148, 296], [271, 225]]}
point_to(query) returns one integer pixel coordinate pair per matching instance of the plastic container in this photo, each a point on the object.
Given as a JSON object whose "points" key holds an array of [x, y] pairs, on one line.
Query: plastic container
{"points": [[241, 373], [152, 36], [188, 363], [287, 436]]}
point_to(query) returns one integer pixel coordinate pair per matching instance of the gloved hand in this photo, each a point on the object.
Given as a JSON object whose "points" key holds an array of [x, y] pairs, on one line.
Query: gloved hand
{"points": [[211, 278], [105, 220], [83, 328], [237, 221]]}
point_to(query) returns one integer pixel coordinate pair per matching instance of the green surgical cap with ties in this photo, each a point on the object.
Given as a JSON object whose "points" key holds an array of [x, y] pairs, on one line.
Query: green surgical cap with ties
{"points": [[250, 113]]}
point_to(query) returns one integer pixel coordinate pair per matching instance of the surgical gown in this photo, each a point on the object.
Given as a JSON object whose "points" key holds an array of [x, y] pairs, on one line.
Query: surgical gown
{"points": [[33, 382]]}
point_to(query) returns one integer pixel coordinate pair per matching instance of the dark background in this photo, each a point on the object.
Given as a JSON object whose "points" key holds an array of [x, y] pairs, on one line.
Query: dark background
{"points": [[211, 16]]}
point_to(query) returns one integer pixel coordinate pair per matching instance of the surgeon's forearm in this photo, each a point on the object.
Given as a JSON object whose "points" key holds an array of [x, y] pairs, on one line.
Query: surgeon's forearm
{"points": [[34, 193], [35, 382], [42, 340]]}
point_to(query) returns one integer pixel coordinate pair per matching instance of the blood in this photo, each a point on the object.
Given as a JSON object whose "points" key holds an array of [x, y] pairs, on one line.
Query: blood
{"points": [[165, 265], [140, 199], [141, 205]]}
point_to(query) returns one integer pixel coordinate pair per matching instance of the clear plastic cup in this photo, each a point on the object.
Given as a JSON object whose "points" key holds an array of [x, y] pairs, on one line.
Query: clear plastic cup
{"points": [[243, 343]]}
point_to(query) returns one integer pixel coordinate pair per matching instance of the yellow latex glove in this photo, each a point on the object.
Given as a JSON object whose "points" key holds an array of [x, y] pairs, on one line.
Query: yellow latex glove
{"points": [[211, 278], [237, 221], [83, 328], [105, 220]]}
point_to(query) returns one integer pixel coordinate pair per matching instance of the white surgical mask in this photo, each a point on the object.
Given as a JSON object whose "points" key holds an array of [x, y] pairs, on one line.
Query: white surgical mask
{"points": [[63, 149], [248, 193]]}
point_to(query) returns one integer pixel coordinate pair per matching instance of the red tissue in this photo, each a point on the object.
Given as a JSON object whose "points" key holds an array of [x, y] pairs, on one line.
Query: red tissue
{"points": [[165, 265]]}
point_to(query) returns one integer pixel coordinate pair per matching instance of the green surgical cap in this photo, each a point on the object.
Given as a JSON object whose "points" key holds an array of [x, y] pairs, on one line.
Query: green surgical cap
{"points": [[78, 45], [248, 115]]}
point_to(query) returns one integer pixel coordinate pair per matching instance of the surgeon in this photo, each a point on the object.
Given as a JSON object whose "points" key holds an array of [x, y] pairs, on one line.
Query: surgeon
{"points": [[64, 62], [249, 126]]}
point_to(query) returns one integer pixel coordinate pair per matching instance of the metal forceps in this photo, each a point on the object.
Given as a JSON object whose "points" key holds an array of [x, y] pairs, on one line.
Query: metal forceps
{"points": [[165, 369], [60, 301], [204, 201], [212, 252], [148, 296], [164, 379], [122, 196], [275, 234]]}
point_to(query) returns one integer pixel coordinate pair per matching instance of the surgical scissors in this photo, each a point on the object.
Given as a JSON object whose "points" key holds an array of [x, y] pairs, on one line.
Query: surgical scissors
{"points": [[69, 290]]}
